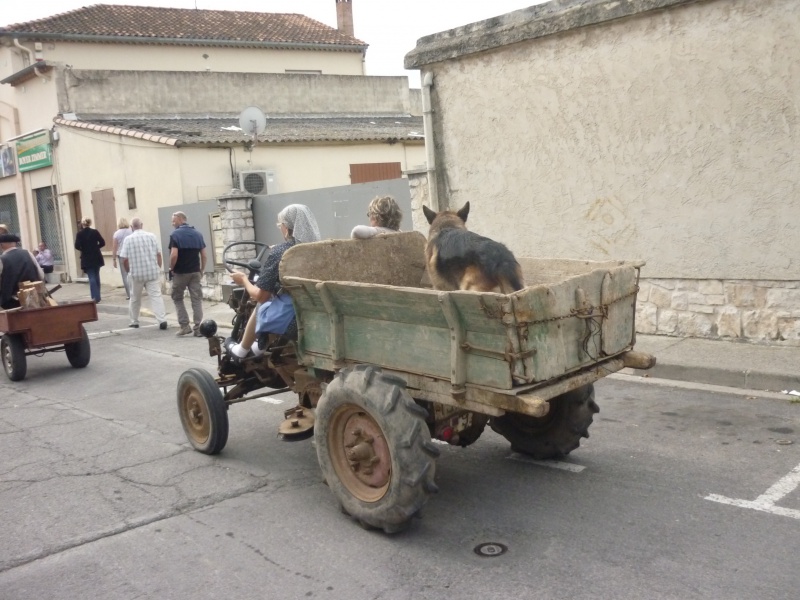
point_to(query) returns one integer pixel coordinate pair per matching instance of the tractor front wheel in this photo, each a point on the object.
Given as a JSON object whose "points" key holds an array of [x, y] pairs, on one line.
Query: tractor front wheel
{"points": [[203, 411]]}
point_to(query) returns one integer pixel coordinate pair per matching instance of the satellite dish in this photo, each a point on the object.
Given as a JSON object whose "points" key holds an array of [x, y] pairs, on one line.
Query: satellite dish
{"points": [[252, 121]]}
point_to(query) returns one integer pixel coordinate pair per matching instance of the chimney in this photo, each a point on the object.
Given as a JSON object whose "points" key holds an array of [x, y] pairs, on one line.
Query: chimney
{"points": [[344, 16]]}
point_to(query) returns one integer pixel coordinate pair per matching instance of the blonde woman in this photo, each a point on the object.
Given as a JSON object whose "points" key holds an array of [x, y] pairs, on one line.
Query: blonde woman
{"points": [[384, 217], [123, 231]]}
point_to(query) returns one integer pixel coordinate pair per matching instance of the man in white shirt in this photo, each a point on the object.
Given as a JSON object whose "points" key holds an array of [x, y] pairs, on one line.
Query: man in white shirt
{"points": [[141, 258]]}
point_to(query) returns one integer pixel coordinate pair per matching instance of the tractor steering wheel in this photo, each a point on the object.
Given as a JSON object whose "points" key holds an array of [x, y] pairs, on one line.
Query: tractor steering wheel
{"points": [[253, 266]]}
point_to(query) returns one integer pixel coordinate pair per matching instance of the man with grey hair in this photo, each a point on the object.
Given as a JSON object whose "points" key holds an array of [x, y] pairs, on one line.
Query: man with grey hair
{"points": [[16, 265], [141, 257], [187, 261]]}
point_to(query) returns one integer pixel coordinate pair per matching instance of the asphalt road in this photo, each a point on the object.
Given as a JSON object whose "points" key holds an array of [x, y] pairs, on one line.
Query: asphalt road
{"points": [[680, 493]]}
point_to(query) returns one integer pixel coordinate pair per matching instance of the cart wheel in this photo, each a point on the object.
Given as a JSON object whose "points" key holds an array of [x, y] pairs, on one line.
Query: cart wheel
{"points": [[203, 411], [79, 353], [556, 434], [374, 448], [12, 349]]}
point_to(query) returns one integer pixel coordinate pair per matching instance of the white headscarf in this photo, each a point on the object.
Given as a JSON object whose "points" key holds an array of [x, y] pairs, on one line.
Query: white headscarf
{"points": [[301, 221]]}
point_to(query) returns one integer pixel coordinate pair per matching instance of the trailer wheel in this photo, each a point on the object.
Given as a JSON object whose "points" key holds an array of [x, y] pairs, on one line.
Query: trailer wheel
{"points": [[12, 349], [471, 434], [374, 448], [79, 353], [556, 434], [203, 411]]}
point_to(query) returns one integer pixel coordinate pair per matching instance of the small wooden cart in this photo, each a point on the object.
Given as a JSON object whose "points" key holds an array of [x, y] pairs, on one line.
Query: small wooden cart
{"points": [[34, 331]]}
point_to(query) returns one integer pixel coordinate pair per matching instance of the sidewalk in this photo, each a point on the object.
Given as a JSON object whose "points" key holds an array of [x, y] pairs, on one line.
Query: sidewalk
{"points": [[730, 364]]}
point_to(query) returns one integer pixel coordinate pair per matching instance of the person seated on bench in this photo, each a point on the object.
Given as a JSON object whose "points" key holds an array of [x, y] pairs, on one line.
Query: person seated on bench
{"points": [[16, 265], [298, 226], [384, 217]]}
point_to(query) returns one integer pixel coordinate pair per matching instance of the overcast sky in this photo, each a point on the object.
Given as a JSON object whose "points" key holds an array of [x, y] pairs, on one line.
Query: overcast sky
{"points": [[390, 27]]}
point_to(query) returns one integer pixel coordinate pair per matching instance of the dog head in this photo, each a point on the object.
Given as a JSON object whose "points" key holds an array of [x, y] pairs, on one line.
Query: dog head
{"points": [[446, 219]]}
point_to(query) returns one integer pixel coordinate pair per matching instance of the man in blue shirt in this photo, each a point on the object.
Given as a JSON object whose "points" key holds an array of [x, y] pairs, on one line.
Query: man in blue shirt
{"points": [[187, 262]]}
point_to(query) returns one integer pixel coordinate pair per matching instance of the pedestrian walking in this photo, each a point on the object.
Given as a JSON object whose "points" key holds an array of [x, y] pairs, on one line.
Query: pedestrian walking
{"points": [[141, 258], [123, 231], [187, 261], [89, 241]]}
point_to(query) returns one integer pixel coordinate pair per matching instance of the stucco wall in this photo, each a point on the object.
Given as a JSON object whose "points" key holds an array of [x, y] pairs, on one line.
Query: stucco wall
{"points": [[166, 176], [163, 92], [670, 136], [143, 57]]}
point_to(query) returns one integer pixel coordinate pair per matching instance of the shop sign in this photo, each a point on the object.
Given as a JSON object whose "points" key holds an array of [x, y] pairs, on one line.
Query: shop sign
{"points": [[34, 152]]}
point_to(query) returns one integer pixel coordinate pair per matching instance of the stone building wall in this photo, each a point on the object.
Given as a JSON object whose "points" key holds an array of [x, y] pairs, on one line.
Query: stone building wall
{"points": [[660, 130], [420, 195], [728, 309], [236, 216]]}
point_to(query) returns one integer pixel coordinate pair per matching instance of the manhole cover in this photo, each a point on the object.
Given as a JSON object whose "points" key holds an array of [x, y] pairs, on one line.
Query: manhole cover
{"points": [[490, 549]]}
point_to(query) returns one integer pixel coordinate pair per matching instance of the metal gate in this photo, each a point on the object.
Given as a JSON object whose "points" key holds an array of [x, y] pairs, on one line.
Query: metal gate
{"points": [[8, 212], [48, 221]]}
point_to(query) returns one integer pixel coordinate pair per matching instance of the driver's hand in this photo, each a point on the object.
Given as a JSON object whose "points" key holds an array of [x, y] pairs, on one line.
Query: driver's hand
{"points": [[238, 277]]}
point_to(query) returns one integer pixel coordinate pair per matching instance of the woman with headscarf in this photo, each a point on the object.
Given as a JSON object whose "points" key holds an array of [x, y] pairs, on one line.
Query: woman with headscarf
{"points": [[298, 226], [89, 241]]}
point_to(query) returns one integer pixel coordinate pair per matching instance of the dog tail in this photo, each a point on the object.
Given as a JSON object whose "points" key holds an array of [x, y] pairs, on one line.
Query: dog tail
{"points": [[512, 281]]}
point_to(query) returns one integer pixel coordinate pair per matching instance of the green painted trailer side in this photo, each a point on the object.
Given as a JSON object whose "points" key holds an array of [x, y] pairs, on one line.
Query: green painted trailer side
{"points": [[367, 301]]}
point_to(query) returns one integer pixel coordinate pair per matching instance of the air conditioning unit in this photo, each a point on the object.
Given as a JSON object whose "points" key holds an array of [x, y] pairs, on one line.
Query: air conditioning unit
{"points": [[258, 183]]}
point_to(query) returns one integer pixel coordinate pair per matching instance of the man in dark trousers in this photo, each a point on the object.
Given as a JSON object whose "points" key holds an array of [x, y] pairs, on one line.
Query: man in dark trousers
{"points": [[187, 261], [16, 265]]}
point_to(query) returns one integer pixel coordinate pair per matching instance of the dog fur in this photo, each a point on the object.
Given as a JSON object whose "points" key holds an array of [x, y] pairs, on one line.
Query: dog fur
{"points": [[458, 259]]}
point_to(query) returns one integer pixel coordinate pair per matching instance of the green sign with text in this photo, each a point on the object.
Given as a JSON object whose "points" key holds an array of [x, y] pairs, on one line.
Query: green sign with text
{"points": [[34, 152]]}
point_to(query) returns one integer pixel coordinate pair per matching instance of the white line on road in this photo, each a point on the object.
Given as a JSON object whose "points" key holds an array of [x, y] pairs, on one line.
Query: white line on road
{"points": [[766, 501], [553, 464], [785, 485], [271, 400]]}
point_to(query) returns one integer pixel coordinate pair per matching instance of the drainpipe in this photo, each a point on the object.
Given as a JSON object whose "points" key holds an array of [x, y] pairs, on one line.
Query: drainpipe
{"points": [[427, 121], [32, 56]]}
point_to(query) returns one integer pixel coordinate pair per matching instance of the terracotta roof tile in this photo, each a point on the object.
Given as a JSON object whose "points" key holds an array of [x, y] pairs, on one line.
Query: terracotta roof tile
{"points": [[141, 23]]}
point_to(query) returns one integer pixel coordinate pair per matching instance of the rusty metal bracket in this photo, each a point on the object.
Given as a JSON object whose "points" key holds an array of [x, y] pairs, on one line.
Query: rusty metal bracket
{"points": [[489, 353]]}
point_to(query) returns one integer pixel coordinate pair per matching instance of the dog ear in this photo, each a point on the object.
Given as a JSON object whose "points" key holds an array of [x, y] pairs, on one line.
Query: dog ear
{"points": [[463, 212], [429, 214]]}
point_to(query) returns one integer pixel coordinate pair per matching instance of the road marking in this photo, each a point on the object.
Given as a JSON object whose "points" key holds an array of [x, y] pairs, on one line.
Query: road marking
{"points": [[553, 464], [766, 501], [271, 400]]}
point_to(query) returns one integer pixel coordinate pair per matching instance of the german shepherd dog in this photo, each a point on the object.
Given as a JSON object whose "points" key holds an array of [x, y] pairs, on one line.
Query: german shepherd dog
{"points": [[458, 259]]}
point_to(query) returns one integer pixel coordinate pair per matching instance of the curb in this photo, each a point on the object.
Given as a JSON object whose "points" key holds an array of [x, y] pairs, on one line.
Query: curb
{"points": [[748, 380]]}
